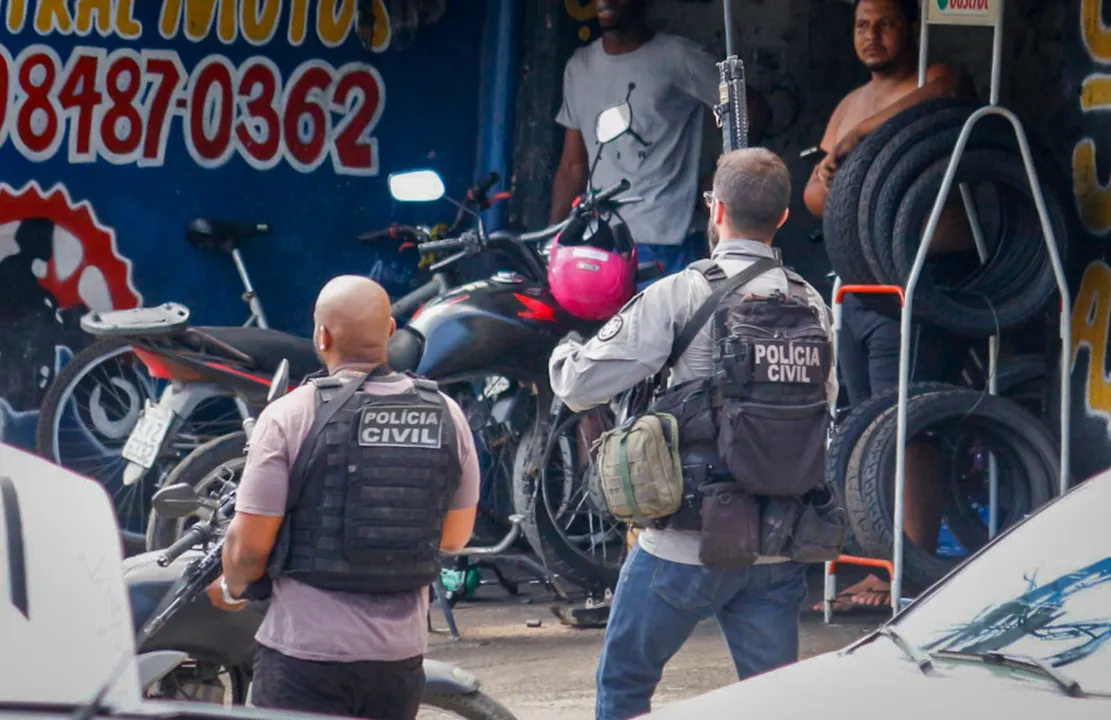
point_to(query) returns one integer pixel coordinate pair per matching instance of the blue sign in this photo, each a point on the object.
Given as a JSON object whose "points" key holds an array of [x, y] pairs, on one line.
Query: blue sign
{"points": [[120, 121]]}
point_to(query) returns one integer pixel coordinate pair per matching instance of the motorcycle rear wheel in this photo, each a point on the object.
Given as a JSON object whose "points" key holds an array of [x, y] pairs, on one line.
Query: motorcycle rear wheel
{"points": [[551, 502], [92, 406]]}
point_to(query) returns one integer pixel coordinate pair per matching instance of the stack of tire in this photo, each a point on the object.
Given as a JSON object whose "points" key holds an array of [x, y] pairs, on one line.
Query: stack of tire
{"points": [[878, 206], [884, 191], [861, 462]]}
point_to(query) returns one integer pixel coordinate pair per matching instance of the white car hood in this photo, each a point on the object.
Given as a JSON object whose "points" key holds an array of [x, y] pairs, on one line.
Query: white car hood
{"points": [[65, 618], [877, 679]]}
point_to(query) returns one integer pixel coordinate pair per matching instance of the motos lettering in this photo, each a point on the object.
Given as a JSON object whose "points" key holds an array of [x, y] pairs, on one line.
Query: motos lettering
{"points": [[787, 362], [401, 426]]}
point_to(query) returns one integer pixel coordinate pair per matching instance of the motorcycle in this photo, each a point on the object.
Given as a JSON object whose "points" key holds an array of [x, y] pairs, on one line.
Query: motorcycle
{"points": [[189, 649], [487, 344], [202, 368], [501, 332]]}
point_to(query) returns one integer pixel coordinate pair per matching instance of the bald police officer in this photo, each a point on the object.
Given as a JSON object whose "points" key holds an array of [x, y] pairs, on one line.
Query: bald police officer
{"points": [[664, 590], [353, 484]]}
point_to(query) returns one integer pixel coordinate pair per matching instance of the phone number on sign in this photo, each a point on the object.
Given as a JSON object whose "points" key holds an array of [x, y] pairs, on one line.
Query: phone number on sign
{"points": [[120, 106]]}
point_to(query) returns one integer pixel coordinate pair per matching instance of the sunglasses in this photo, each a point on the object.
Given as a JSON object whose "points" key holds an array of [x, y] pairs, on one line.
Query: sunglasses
{"points": [[708, 197]]}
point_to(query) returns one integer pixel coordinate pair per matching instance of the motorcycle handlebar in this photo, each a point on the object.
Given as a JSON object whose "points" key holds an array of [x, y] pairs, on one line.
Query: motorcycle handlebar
{"points": [[610, 192], [394, 232], [194, 535], [485, 183], [456, 243]]}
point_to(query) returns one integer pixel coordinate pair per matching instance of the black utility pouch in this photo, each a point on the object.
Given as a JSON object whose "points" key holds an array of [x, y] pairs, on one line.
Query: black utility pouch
{"points": [[730, 527], [777, 524], [820, 530]]}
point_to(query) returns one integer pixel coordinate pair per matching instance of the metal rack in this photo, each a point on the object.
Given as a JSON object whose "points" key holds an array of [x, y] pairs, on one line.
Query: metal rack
{"points": [[993, 20]]}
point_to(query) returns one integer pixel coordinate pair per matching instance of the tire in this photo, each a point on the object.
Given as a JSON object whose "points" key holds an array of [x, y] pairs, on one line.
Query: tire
{"points": [[847, 435], [476, 706], [902, 161], [93, 354], [1016, 283], [202, 463], [839, 225], [1025, 450], [176, 684], [547, 541]]}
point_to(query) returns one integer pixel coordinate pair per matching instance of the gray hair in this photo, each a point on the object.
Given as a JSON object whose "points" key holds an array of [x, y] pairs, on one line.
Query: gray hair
{"points": [[755, 187]]}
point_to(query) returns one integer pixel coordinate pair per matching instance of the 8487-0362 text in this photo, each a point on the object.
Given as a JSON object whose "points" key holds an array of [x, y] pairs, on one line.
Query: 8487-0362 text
{"points": [[119, 106]]}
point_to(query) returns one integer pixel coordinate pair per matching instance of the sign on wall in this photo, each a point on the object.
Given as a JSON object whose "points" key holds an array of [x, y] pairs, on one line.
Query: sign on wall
{"points": [[127, 105], [962, 12], [1089, 42], [122, 120]]}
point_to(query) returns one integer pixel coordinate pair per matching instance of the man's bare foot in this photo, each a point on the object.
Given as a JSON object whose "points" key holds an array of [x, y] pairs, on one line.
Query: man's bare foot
{"points": [[875, 597], [871, 591]]}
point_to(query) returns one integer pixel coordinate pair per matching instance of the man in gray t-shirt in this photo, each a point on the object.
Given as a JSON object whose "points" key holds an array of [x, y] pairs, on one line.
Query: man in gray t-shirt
{"points": [[668, 81]]}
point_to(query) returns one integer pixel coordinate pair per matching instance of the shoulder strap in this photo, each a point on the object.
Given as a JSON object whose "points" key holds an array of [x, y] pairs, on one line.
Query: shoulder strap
{"points": [[702, 315], [324, 413]]}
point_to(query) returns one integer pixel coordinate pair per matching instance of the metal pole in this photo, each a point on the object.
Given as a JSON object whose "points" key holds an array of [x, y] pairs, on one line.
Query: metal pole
{"points": [[923, 43], [912, 283], [993, 359], [728, 8], [997, 53], [252, 297], [904, 355], [1062, 288]]}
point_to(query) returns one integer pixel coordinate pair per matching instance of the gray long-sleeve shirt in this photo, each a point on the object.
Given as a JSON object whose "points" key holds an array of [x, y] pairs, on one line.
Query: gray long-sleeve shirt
{"points": [[636, 343]]}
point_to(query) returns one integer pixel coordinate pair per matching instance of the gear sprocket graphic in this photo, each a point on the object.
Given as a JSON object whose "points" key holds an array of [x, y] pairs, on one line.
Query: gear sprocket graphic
{"points": [[97, 243]]}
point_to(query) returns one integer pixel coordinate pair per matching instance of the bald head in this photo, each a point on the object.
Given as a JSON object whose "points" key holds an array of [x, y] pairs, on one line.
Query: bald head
{"points": [[353, 322]]}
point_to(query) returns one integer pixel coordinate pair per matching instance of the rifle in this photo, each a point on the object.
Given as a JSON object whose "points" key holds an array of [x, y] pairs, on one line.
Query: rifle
{"points": [[731, 112]]}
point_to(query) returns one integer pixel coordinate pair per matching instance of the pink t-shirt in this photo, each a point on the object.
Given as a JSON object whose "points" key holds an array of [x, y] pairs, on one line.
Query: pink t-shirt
{"points": [[312, 624]]}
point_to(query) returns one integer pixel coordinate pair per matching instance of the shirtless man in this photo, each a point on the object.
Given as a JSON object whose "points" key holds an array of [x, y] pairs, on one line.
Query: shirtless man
{"points": [[884, 36]]}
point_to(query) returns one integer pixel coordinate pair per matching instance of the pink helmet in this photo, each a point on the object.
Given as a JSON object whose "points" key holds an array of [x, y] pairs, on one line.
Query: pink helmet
{"points": [[592, 268]]}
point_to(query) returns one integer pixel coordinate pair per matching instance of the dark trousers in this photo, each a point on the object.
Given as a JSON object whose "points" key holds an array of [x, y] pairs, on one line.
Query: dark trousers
{"points": [[657, 606], [369, 689], [868, 352]]}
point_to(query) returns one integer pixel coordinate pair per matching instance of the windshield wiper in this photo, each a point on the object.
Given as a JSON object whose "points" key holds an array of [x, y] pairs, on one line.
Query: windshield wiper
{"points": [[921, 659], [1024, 662]]}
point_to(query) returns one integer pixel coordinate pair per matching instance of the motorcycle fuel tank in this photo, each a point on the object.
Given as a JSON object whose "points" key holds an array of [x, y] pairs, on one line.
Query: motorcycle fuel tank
{"points": [[205, 632], [499, 326]]}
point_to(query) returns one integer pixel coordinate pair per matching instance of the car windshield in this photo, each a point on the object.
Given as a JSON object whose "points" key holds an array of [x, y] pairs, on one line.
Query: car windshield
{"points": [[1043, 590]]}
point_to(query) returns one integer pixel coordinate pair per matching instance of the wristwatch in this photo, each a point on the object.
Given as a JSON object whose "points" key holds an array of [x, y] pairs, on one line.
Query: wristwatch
{"points": [[228, 597]]}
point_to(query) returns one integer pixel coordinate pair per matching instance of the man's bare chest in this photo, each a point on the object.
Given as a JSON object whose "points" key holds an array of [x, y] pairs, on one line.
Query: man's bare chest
{"points": [[866, 102]]}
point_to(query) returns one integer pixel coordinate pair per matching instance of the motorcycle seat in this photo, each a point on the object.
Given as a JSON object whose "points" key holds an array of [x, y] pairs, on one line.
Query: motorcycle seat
{"points": [[268, 347], [225, 235]]}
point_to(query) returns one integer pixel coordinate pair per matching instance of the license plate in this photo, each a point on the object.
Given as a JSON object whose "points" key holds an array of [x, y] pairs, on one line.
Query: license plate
{"points": [[145, 441]]}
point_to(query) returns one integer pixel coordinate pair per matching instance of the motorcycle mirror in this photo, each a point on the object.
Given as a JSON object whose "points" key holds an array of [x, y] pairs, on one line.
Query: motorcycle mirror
{"points": [[176, 501], [613, 122], [416, 186], [279, 385]]}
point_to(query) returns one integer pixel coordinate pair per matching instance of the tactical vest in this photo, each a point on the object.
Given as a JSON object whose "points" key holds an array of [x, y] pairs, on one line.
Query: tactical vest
{"points": [[759, 422], [369, 500]]}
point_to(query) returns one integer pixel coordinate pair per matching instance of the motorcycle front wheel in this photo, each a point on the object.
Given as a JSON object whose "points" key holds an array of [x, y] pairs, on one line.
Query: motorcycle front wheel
{"points": [[476, 706]]}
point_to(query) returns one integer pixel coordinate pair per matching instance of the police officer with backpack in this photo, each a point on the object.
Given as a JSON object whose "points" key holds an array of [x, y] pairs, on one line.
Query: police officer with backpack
{"points": [[724, 467], [353, 484]]}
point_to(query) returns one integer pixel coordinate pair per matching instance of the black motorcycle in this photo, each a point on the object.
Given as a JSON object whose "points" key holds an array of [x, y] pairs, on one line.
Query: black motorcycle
{"points": [[487, 344], [188, 649]]}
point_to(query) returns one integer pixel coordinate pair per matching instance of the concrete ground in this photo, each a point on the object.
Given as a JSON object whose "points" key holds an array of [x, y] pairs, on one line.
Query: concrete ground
{"points": [[547, 672]]}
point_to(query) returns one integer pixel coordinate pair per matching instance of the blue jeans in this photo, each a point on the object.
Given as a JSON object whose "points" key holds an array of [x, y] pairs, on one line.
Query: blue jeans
{"points": [[673, 257], [657, 606]]}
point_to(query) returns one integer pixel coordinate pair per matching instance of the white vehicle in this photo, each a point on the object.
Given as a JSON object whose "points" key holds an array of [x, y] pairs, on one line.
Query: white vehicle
{"points": [[1020, 630], [67, 621]]}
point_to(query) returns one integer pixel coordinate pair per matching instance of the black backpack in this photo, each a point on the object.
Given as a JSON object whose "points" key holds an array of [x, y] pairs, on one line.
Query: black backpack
{"points": [[771, 359]]}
